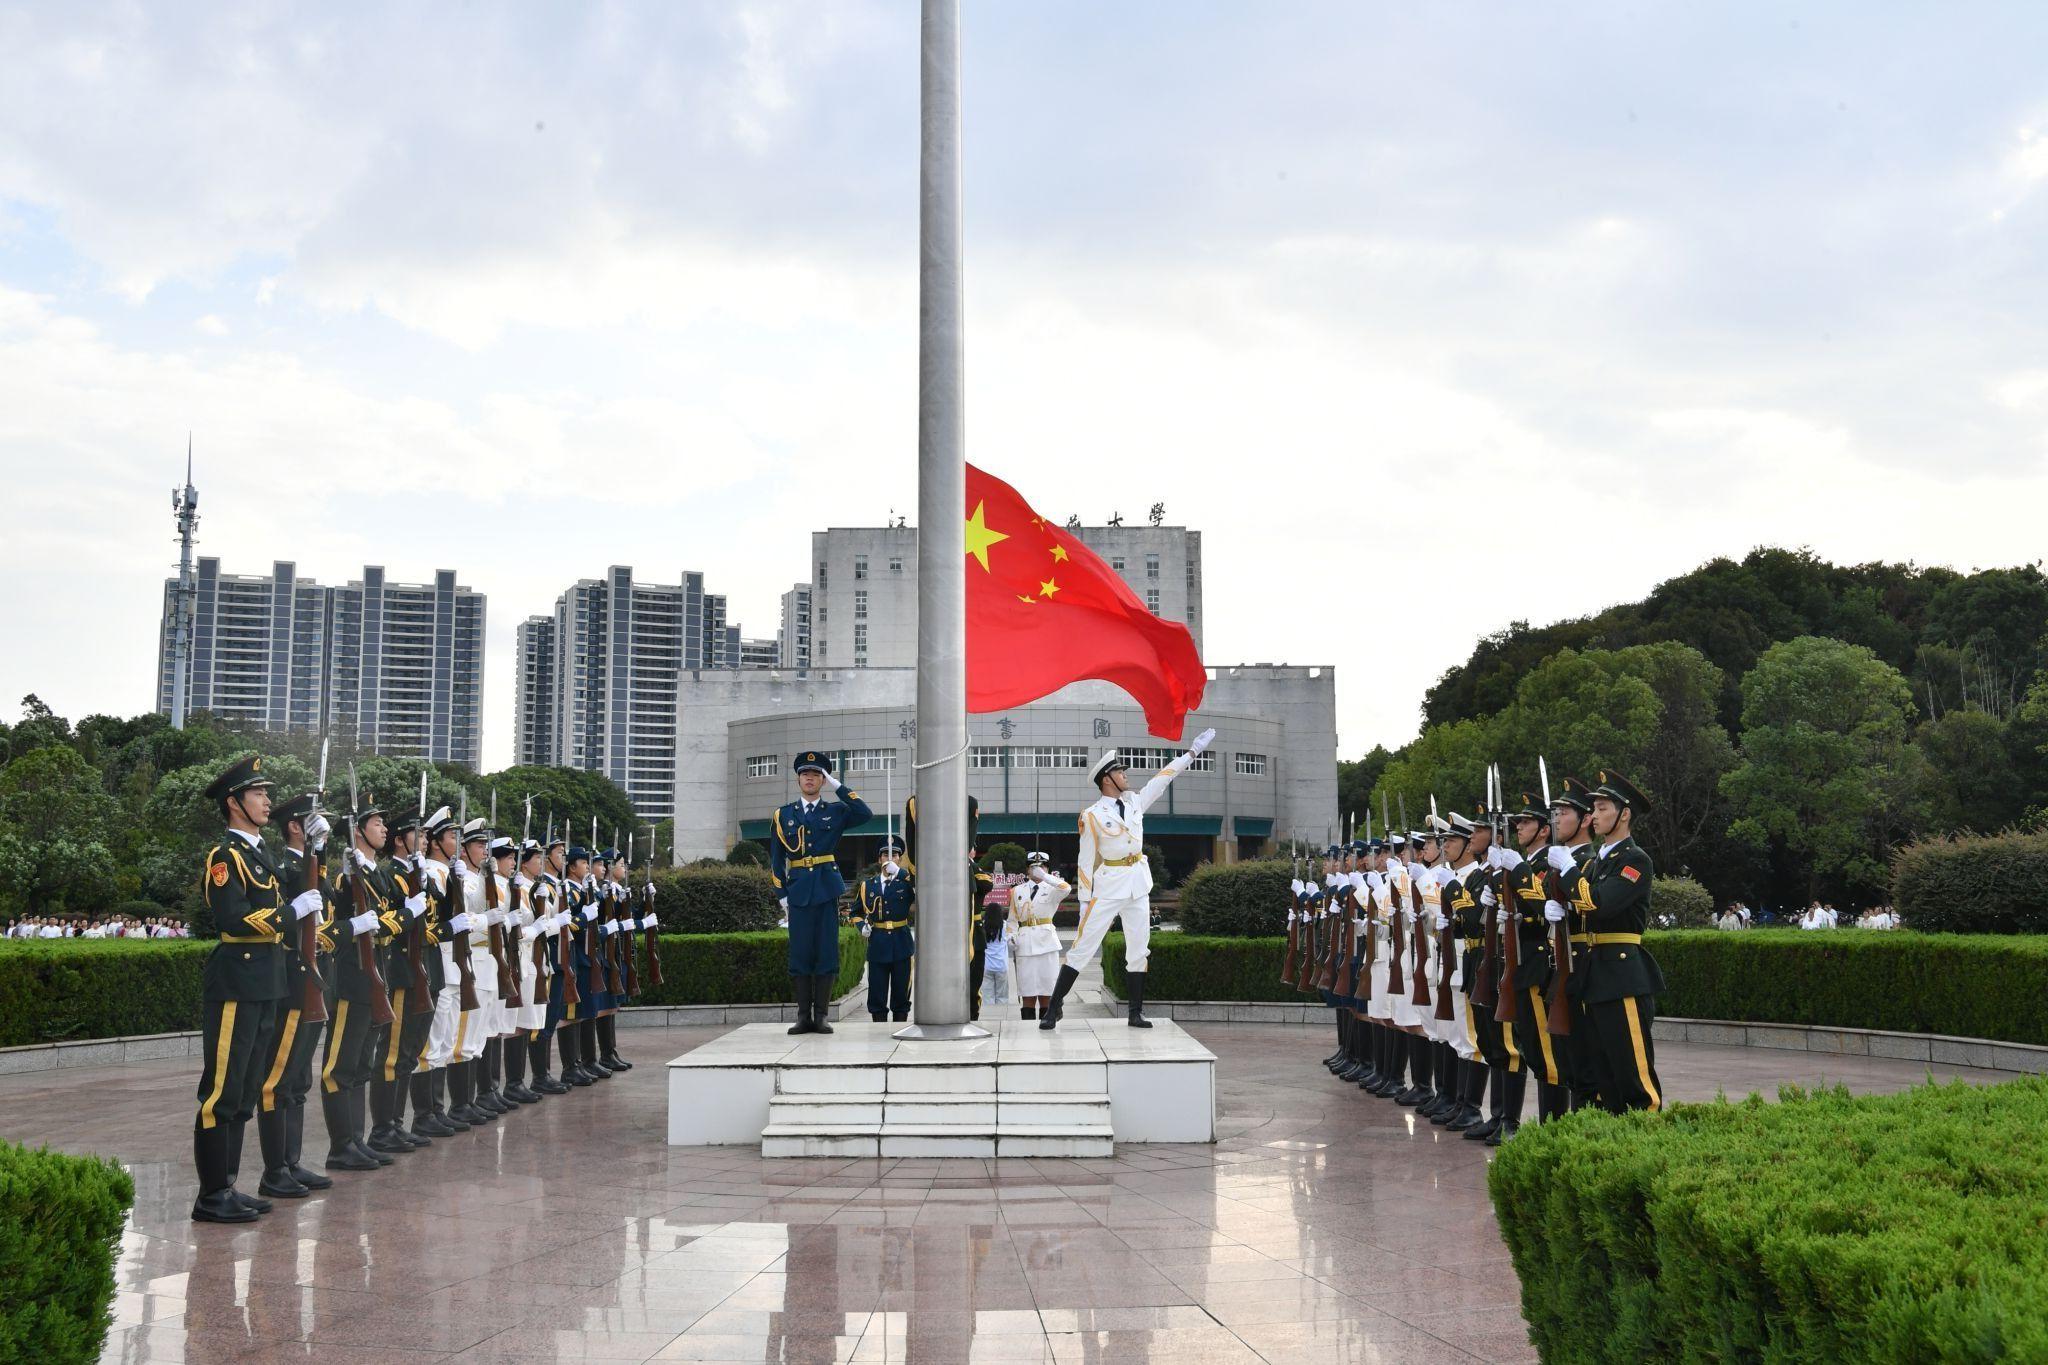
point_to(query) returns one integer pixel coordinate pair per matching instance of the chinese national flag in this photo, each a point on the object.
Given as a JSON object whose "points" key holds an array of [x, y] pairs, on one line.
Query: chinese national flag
{"points": [[1043, 610]]}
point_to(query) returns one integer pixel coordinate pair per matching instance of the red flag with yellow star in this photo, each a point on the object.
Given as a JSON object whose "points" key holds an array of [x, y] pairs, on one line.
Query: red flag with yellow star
{"points": [[1043, 610]]}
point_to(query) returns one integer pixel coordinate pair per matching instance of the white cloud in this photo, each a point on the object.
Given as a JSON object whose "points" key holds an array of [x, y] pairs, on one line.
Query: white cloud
{"points": [[211, 324]]}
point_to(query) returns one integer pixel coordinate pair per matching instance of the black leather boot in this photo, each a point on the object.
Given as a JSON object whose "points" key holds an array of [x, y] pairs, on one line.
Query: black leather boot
{"points": [[821, 1004], [1419, 1057], [537, 1057], [235, 1134], [1336, 1059], [1027, 1011], [1471, 1085], [1397, 1062], [277, 1181], [216, 1202], [341, 1152], [586, 1045], [1481, 1131], [1134, 983], [295, 1145], [1049, 1017], [383, 1127], [801, 985], [1514, 1086], [608, 1039], [565, 1043], [428, 1122], [358, 1113]]}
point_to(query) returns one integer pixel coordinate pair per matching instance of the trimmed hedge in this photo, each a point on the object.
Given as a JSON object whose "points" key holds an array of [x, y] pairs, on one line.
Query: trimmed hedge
{"points": [[1823, 1227], [1970, 986], [719, 898], [1236, 900], [1690, 905], [60, 1229], [74, 989], [1974, 884]]}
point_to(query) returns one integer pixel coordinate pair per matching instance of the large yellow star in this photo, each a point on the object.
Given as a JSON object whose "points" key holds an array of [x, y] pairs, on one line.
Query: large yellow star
{"points": [[1048, 588], [980, 537], [1059, 552]]}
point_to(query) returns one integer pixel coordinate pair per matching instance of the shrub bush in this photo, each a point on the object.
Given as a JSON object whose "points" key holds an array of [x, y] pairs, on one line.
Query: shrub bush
{"points": [[747, 853], [1824, 1227], [1189, 967], [1236, 900], [1971, 985], [716, 899], [1974, 884], [738, 969], [60, 1227], [1690, 905], [1010, 855]]}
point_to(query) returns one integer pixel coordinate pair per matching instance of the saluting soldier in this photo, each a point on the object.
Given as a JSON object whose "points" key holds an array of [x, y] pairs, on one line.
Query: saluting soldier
{"points": [[1115, 877], [1034, 939], [281, 1116], [349, 1058], [809, 884], [1622, 980], [884, 905], [244, 983]]}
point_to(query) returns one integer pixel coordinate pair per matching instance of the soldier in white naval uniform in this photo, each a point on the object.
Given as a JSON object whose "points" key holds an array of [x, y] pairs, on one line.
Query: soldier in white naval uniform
{"points": [[1115, 878]]}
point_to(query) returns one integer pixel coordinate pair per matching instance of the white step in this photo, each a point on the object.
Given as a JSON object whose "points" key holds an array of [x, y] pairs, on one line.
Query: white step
{"points": [[915, 1110], [938, 1139], [1054, 1109], [1078, 1077], [831, 1080], [864, 1111], [1055, 1139], [807, 1139]]}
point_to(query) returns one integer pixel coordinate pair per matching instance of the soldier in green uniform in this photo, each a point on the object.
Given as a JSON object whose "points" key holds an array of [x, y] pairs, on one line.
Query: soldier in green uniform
{"points": [[244, 983], [398, 1045], [1523, 893], [1568, 854], [1622, 979], [281, 1113], [347, 1066]]}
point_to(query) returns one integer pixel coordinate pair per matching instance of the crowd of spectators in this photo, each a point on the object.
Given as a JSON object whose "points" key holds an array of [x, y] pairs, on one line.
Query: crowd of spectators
{"points": [[97, 926]]}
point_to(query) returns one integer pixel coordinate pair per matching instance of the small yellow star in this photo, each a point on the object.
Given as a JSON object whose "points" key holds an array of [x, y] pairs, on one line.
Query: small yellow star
{"points": [[1059, 552], [1027, 599], [1048, 588], [980, 537]]}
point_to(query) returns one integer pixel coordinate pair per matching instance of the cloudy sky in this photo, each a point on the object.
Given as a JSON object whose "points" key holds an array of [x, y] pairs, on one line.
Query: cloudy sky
{"points": [[1429, 317]]}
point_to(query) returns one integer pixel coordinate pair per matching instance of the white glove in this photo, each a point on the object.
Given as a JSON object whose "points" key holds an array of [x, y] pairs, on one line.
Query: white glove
{"points": [[589, 913], [492, 917], [362, 924], [460, 924], [1295, 885], [1037, 873], [650, 922], [611, 926], [1291, 916], [363, 860], [832, 784], [866, 929], [1561, 860], [890, 867], [1553, 912], [1486, 895], [416, 904], [317, 829], [783, 901], [1202, 741], [1376, 881], [589, 882], [1509, 859], [521, 880], [305, 903], [459, 870], [1415, 871]]}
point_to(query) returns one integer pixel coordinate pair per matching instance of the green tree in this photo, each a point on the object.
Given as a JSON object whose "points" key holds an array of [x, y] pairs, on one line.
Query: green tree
{"points": [[574, 796], [1823, 752], [1356, 781], [1972, 784], [1445, 761], [53, 819]]}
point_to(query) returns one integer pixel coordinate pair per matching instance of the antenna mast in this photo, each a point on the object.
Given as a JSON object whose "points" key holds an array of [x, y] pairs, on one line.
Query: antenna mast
{"points": [[185, 601]]}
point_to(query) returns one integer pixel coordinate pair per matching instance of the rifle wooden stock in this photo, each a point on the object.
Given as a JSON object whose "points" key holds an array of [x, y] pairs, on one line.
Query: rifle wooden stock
{"points": [[1560, 1023], [313, 1001], [566, 954], [1395, 941], [1333, 939], [1311, 957], [653, 945], [1346, 981], [1446, 955], [465, 972], [508, 980], [1509, 1009], [419, 1000], [1482, 992], [1419, 996], [1288, 964], [625, 950], [366, 953]]}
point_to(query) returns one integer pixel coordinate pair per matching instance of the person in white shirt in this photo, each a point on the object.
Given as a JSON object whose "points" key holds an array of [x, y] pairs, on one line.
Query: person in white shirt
{"points": [[1116, 878], [1034, 942]]}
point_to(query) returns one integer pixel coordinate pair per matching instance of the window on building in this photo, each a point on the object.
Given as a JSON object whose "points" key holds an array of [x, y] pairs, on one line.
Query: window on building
{"points": [[1152, 600], [1152, 567], [1117, 562], [1248, 765], [821, 575], [860, 604], [1055, 756], [896, 564], [764, 765], [870, 760], [860, 567], [1204, 762], [860, 645], [1145, 760], [986, 757]]}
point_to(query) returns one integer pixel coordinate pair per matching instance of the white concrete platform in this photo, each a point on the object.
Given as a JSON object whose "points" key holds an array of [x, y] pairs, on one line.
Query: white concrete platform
{"points": [[1075, 1091]]}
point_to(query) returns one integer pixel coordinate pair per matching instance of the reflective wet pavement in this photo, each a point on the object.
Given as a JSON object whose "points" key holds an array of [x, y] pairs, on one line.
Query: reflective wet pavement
{"points": [[1322, 1228]]}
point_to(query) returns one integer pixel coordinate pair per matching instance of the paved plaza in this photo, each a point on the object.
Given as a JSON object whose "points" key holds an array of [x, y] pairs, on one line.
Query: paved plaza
{"points": [[1324, 1226]]}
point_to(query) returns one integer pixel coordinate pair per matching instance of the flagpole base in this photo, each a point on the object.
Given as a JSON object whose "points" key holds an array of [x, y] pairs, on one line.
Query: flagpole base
{"points": [[940, 1033]]}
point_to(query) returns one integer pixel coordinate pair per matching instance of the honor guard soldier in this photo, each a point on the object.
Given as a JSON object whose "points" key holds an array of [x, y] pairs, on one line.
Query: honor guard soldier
{"points": [[1034, 939], [478, 1026], [592, 981], [883, 904], [1568, 904], [1622, 980], [346, 1068], [1524, 894], [281, 1115], [1115, 877], [808, 882], [244, 985], [446, 917], [618, 947], [522, 930], [579, 906], [405, 1042], [551, 914]]}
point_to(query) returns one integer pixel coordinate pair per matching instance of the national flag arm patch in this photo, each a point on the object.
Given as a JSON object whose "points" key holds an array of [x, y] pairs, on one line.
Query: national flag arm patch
{"points": [[1633, 874]]}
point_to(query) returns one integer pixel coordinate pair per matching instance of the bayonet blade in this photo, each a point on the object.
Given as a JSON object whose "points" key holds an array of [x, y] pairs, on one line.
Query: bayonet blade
{"points": [[1543, 772], [494, 810], [424, 812], [320, 785]]}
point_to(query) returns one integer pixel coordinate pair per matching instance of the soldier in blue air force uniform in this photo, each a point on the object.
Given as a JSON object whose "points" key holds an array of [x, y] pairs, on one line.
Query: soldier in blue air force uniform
{"points": [[882, 906], [809, 884]]}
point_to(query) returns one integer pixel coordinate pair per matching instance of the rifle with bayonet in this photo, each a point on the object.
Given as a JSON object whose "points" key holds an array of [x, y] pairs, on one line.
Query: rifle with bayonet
{"points": [[366, 944], [1312, 957], [464, 970], [593, 936], [647, 911], [1419, 995], [420, 999], [313, 1000], [565, 946], [1447, 933], [625, 934], [517, 997], [1288, 965], [1509, 1009], [1344, 980], [508, 981], [1481, 992], [1560, 1021], [1396, 938]]}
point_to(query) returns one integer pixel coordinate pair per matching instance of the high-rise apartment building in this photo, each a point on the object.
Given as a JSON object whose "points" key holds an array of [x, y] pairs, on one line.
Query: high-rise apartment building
{"points": [[399, 665], [533, 724], [794, 637]]}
